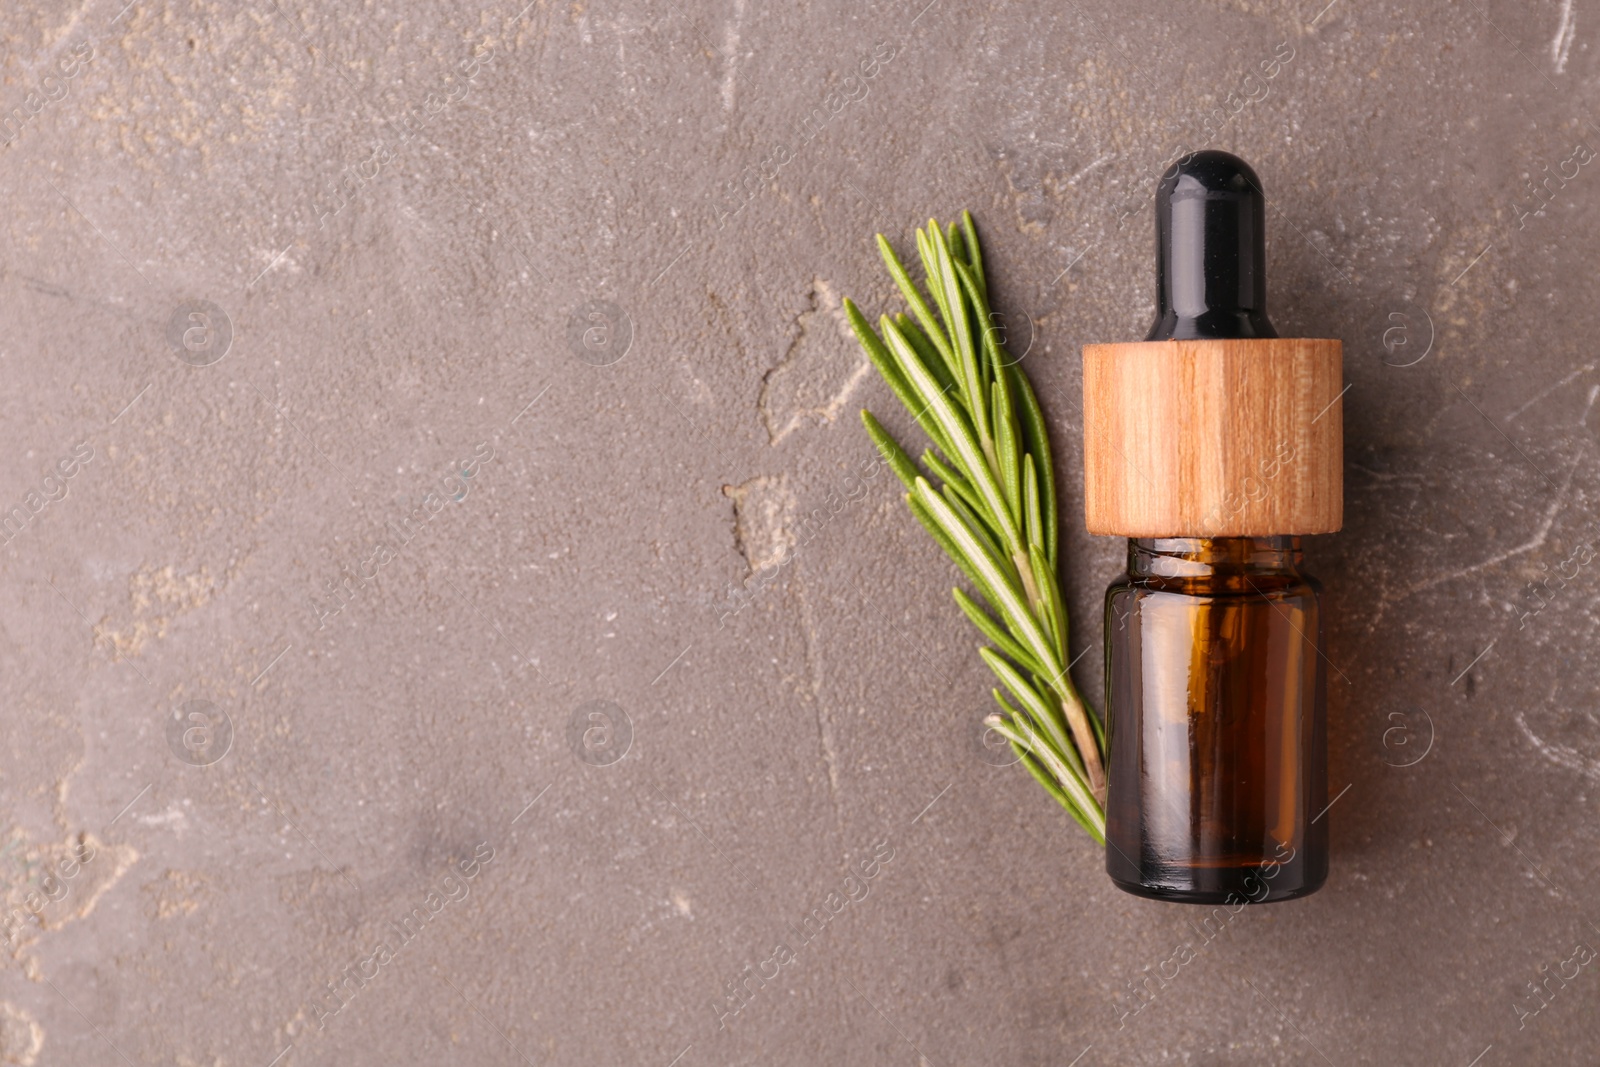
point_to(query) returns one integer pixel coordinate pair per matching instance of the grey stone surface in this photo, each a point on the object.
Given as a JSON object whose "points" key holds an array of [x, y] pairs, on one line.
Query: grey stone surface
{"points": [[560, 288]]}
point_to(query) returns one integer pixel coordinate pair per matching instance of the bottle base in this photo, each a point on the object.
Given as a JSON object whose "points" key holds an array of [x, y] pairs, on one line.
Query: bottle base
{"points": [[1239, 894]]}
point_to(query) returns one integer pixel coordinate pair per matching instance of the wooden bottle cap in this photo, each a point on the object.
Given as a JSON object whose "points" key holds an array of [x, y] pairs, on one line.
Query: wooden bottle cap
{"points": [[1213, 438]]}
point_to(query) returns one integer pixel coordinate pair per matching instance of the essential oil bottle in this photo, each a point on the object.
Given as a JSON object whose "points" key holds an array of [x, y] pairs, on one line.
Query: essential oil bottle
{"points": [[1212, 446]]}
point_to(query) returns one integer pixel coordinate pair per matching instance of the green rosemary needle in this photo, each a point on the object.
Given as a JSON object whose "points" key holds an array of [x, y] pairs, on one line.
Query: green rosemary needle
{"points": [[986, 493]]}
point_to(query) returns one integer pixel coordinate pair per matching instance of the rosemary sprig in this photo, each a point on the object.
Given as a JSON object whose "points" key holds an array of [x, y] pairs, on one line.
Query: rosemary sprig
{"points": [[988, 498]]}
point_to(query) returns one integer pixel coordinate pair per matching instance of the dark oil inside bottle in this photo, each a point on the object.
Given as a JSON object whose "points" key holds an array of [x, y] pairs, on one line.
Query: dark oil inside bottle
{"points": [[1215, 722]]}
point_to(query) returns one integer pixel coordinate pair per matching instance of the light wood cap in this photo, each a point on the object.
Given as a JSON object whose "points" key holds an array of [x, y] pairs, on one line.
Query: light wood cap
{"points": [[1231, 438]]}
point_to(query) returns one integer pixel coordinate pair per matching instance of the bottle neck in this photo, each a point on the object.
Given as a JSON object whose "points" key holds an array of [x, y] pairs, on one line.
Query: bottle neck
{"points": [[1212, 557]]}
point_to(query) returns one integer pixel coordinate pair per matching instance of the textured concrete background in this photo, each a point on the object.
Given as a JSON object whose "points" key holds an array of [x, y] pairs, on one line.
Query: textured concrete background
{"points": [[670, 667]]}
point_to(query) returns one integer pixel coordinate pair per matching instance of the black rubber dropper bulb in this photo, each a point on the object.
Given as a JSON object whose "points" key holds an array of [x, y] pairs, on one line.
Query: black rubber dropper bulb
{"points": [[1211, 251]]}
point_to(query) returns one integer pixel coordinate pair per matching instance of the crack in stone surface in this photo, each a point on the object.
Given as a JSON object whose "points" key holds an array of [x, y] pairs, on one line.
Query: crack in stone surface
{"points": [[819, 370], [763, 509]]}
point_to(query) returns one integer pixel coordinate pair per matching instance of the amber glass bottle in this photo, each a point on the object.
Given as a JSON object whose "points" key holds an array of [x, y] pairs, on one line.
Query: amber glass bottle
{"points": [[1216, 730], [1212, 445]]}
